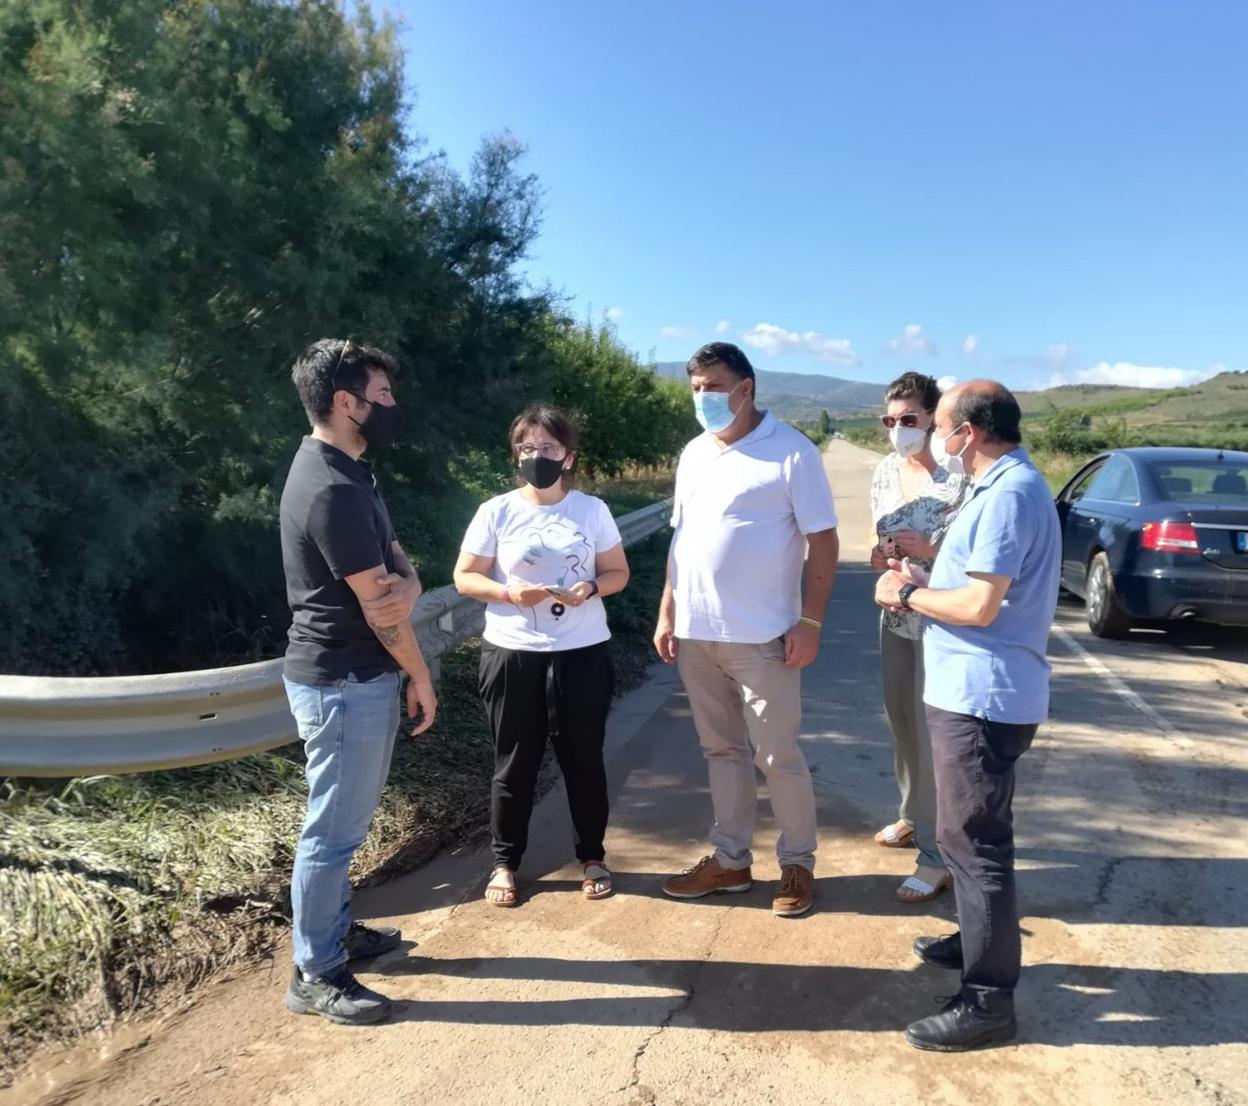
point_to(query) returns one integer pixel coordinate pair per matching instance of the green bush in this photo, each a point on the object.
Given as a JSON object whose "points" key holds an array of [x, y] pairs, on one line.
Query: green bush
{"points": [[112, 887], [1074, 431], [628, 415], [869, 435], [817, 430], [189, 195]]}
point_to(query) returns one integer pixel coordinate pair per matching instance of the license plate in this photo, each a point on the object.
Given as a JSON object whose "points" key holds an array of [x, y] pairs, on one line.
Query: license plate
{"points": [[1241, 542]]}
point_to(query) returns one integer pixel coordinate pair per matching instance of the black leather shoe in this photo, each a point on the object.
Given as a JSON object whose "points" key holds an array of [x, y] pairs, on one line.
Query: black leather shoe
{"points": [[944, 952], [363, 941], [960, 1027]]}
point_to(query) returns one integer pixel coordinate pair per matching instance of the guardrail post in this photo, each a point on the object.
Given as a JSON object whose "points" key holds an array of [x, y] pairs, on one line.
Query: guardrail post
{"points": [[445, 623]]}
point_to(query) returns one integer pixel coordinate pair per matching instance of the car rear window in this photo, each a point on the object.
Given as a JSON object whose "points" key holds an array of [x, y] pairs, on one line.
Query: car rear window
{"points": [[1202, 481]]}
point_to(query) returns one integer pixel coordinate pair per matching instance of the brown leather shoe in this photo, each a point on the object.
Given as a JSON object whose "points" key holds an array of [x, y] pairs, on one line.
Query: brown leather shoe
{"points": [[706, 877], [796, 893]]}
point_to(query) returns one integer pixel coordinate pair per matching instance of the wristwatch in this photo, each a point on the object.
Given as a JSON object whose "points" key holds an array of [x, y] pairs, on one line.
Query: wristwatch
{"points": [[903, 595], [593, 584]]}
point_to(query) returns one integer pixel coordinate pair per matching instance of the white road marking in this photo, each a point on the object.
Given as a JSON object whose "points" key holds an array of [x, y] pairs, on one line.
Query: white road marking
{"points": [[1121, 689]]}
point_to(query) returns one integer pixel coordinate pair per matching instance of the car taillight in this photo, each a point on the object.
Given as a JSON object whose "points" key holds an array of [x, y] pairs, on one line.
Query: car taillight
{"points": [[1170, 537]]}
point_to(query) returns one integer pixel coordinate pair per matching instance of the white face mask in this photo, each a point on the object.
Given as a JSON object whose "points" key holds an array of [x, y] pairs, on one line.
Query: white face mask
{"points": [[950, 462], [907, 440]]}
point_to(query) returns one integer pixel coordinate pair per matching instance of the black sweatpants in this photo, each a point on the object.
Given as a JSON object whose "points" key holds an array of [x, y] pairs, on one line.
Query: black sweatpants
{"points": [[973, 759], [530, 697]]}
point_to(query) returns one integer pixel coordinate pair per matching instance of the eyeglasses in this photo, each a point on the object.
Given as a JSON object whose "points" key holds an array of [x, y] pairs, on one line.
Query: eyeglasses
{"points": [[890, 421], [549, 451], [333, 375]]}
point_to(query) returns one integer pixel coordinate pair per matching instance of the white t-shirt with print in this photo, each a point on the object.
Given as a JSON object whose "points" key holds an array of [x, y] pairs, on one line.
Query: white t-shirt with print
{"points": [[741, 515], [543, 545]]}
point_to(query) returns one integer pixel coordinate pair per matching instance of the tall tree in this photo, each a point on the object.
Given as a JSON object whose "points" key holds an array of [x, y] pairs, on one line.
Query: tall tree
{"points": [[189, 194]]}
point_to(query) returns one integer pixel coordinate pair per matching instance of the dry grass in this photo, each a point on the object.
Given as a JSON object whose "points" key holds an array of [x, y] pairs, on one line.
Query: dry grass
{"points": [[637, 488], [114, 888], [1058, 467]]}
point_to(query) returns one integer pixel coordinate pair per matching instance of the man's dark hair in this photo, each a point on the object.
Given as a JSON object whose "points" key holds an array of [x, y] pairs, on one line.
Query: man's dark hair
{"points": [[331, 365], [915, 386], [993, 410], [722, 353]]}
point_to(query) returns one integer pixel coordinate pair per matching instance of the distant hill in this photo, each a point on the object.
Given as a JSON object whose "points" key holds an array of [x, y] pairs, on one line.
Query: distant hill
{"points": [[1078, 395], [801, 396], [1221, 399]]}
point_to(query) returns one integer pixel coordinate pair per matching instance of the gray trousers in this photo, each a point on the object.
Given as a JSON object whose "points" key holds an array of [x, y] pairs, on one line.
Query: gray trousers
{"points": [[747, 707], [901, 664]]}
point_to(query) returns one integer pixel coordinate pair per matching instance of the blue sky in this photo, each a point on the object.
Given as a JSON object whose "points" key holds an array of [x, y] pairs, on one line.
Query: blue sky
{"points": [[1050, 192]]}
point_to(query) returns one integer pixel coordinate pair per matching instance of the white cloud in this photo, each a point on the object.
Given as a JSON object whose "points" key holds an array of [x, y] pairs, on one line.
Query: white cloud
{"points": [[775, 340], [912, 342], [1056, 358], [615, 314], [723, 326], [1134, 376], [946, 382], [676, 332]]}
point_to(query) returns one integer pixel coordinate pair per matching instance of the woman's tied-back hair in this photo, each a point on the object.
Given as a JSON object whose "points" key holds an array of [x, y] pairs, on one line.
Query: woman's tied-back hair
{"points": [[547, 417], [915, 386]]}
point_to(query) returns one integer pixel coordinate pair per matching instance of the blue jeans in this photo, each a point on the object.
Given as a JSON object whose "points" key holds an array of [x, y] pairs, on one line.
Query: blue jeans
{"points": [[348, 733]]}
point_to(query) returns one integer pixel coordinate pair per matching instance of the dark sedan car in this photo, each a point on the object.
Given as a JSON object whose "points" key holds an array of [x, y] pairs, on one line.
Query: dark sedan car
{"points": [[1155, 534]]}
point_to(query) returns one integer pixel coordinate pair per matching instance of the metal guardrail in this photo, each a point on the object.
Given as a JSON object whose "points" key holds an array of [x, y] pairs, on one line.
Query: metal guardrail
{"points": [[69, 726]]}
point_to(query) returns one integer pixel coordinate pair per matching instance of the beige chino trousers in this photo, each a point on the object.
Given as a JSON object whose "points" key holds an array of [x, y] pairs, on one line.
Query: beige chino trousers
{"points": [[747, 708]]}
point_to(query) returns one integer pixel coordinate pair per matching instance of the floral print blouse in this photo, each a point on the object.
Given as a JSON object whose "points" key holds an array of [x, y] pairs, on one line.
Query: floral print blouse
{"points": [[929, 512]]}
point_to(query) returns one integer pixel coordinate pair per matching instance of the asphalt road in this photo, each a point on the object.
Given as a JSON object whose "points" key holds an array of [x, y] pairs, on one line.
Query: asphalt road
{"points": [[1134, 858]]}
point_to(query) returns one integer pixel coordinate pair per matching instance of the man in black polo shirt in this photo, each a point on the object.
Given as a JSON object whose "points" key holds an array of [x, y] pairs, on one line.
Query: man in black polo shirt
{"points": [[351, 590]]}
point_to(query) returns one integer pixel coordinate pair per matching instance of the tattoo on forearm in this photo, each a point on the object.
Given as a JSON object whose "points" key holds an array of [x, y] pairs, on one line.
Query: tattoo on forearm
{"points": [[387, 635]]}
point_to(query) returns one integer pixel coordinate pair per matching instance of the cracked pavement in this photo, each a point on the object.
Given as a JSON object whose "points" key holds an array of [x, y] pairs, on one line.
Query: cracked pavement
{"points": [[677, 1007], [1133, 861]]}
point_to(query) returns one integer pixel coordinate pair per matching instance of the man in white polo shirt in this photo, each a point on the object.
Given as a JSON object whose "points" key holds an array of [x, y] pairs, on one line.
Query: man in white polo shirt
{"points": [[751, 495]]}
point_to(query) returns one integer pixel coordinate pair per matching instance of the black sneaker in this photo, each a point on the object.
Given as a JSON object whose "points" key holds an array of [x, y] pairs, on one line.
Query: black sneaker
{"points": [[363, 941], [944, 952], [960, 1027], [338, 997]]}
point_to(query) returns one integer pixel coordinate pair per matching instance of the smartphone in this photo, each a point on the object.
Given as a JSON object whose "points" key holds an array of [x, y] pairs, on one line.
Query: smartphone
{"points": [[559, 592]]}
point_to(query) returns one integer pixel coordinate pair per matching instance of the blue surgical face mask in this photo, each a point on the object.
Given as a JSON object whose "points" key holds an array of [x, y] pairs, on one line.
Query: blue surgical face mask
{"points": [[713, 409]]}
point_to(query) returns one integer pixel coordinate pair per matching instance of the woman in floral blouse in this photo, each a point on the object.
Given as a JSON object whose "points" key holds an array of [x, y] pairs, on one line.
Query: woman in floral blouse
{"points": [[912, 501]]}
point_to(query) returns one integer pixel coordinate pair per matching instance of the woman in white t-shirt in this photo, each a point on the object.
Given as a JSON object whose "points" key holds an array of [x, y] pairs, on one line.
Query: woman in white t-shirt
{"points": [[542, 557], [912, 502]]}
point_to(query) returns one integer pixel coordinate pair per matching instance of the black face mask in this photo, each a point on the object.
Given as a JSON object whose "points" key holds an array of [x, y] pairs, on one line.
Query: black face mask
{"points": [[541, 472], [383, 426]]}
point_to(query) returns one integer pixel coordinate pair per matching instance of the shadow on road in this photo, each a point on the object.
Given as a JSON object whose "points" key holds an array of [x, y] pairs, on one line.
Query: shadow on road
{"points": [[1082, 1004], [1122, 890], [1100, 799], [1228, 644]]}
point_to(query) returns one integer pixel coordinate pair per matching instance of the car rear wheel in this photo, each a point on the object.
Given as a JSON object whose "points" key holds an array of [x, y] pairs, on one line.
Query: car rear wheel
{"points": [[1105, 617]]}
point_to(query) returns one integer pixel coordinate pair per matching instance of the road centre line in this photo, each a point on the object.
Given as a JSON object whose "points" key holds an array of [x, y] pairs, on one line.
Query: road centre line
{"points": [[1121, 689]]}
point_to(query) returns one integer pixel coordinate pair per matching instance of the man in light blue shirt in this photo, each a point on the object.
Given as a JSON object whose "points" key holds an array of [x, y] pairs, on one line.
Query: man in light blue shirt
{"points": [[987, 608]]}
